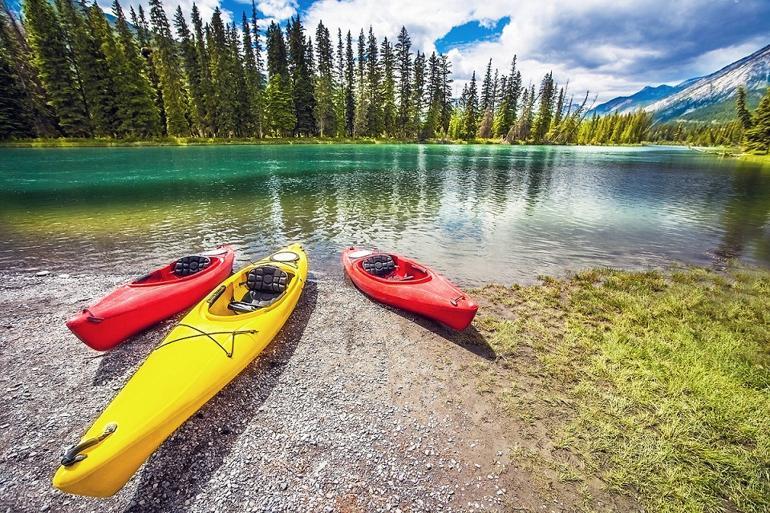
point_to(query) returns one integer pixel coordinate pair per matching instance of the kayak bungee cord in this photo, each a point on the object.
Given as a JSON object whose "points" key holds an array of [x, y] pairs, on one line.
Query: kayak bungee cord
{"points": [[210, 334]]}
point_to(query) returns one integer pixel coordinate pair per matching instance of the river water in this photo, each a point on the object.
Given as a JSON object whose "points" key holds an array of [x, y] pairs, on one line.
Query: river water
{"points": [[476, 213]]}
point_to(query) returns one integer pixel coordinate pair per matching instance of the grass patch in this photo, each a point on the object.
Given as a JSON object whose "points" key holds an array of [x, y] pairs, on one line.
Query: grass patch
{"points": [[759, 159], [667, 377]]}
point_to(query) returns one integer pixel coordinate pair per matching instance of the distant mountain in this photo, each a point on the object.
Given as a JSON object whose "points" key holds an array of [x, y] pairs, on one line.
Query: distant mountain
{"points": [[707, 98]]}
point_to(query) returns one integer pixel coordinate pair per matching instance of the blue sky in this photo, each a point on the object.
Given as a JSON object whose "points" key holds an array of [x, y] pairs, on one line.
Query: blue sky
{"points": [[609, 47]]}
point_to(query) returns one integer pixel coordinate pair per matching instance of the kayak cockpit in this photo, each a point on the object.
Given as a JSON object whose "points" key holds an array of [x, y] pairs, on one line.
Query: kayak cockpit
{"points": [[259, 287], [391, 268], [180, 269]]}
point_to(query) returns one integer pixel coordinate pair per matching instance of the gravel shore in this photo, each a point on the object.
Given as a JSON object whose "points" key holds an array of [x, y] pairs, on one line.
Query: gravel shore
{"points": [[354, 407]]}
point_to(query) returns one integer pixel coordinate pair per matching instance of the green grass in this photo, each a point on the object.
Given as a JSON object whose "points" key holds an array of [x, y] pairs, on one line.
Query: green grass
{"points": [[667, 376], [759, 159]]}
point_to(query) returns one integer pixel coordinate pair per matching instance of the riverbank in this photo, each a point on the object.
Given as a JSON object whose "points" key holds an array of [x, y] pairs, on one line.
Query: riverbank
{"points": [[200, 141], [605, 391], [759, 159], [735, 152]]}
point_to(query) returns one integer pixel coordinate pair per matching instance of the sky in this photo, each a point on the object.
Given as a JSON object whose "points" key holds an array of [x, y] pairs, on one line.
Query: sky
{"points": [[608, 47]]}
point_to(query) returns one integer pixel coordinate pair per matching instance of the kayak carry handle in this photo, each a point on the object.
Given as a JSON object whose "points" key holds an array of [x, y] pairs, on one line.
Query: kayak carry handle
{"points": [[72, 454], [91, 317], [454, 301]]}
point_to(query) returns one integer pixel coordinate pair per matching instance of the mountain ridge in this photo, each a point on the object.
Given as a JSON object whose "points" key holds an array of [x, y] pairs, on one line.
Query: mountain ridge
{"points": [[710, 97]]}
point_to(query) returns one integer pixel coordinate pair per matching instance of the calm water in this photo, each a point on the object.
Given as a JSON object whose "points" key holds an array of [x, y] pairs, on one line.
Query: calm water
{"points": [[477, 213]]}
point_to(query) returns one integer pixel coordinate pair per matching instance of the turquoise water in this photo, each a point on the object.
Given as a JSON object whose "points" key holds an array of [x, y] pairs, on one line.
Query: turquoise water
{"points": [[476, 213]]}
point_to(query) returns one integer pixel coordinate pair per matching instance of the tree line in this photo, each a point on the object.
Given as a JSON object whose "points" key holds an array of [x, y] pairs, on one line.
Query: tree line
{"points": [[751, 130], [68, 71]]}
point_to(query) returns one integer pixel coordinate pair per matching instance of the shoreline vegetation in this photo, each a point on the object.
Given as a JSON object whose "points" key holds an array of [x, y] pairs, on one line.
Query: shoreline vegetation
{"points": [[655, 382], [717, 151]]}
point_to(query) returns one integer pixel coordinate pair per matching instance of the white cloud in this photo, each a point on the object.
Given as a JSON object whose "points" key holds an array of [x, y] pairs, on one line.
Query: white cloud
{"points": [[206, 8], [278, 10]]}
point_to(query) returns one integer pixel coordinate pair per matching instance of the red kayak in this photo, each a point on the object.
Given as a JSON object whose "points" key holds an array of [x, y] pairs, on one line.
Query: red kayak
{"points": [[401, 282], [148, 300]]}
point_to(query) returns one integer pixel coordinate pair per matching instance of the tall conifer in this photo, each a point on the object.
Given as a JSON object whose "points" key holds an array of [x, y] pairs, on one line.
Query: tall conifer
{"points": [[138, 112], [350, 103], [169, 73], [404, 70]]}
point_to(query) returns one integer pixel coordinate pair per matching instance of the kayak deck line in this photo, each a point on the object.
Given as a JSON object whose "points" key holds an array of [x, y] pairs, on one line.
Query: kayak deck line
{"points": [[209, 334]]}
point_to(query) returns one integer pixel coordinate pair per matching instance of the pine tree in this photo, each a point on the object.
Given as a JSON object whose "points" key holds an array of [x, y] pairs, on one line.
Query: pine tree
{"points": [[404, 66], [493, 96], [253, 81], [89, 67], [339, 85], [558, 116], [258, 76], [350, 103], [506, 113], [487, 95], [485, 126], [522, 129], [433, 116], [108, 79], [744, 116], [388, 88], [192, 71], [302, 79], [242, 99], [144, 36], [544, 116], [169, 73], [257, 47], [141, 26], [418, 94], [52, 61], [137, 111], [14, 120], [277, 57], [224, 88], [374, 126], [360, 127], [19, 56], [324, 88], [445, 72], [207, 107], [279, 103], [471, 109], [758, 136]]}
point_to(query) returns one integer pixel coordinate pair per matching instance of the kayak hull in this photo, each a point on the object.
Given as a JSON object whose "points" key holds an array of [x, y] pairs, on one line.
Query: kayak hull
{"points": [[135, 306], [413, 287], [209, 347]]}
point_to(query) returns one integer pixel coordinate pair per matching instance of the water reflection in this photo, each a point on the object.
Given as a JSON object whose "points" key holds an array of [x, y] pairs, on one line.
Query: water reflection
{"points": [[478, 213]]}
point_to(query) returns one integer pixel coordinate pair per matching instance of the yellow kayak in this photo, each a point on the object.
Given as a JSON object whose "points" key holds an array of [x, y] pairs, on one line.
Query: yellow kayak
{"points": [[212, 344]]}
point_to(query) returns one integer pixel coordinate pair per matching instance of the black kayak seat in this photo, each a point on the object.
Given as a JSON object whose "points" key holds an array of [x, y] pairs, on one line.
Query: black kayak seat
{"points": [[192, 264], [266, 285], [379, 265]]}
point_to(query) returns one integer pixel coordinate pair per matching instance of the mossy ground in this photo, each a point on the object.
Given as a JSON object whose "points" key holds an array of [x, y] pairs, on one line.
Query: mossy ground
{"points": [[657, 383]]}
